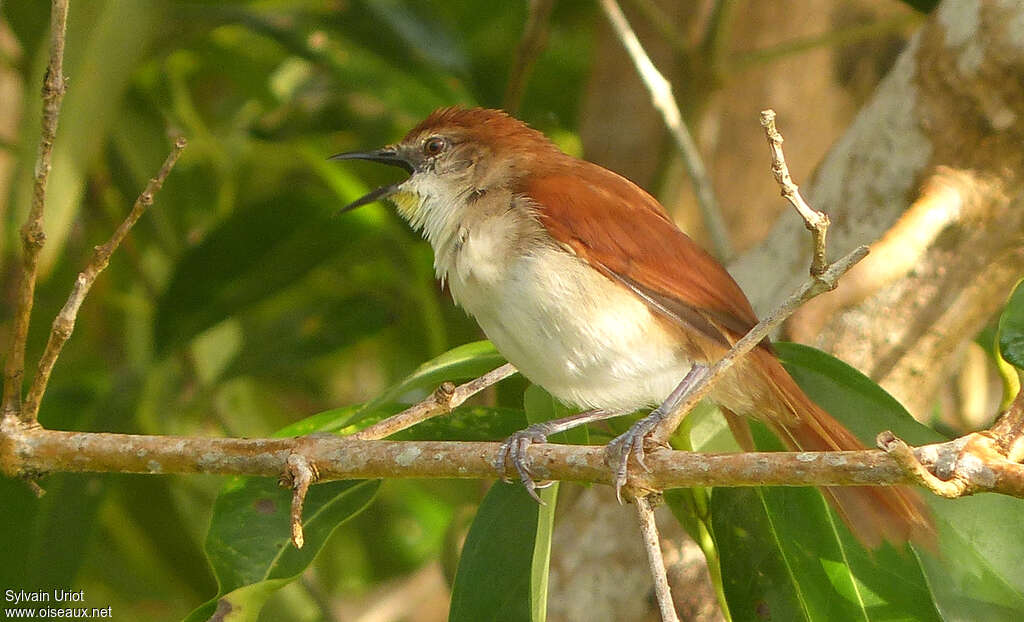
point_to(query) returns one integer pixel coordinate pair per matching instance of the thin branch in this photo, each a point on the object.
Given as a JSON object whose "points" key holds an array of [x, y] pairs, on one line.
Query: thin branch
{"points": [[664, 102], [64, 323], [444, 399], [29, 451], [823, 278], [809, 289], [816, 222], [652, 542], [531, 44], [32, 235]]}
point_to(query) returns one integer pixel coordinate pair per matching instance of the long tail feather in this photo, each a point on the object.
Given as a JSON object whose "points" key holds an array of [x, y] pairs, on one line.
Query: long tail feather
{"points": [[873, 513]]}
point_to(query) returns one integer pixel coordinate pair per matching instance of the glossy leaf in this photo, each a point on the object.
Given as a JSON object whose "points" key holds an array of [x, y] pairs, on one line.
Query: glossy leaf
{"points": [[249, 540], [502, 573], [785, 554], [1011, 329]]}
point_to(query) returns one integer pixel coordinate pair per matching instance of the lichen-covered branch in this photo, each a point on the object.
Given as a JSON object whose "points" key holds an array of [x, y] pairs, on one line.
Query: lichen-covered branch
{"points": [[29, 451]]}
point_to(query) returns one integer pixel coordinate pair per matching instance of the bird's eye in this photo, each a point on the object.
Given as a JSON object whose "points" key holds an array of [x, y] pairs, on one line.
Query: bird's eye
{"points": [[434, 145]]}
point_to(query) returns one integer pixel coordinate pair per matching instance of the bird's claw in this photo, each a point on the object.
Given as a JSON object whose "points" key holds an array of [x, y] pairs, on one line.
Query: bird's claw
{"points": [[514, 450], [630, 443]]}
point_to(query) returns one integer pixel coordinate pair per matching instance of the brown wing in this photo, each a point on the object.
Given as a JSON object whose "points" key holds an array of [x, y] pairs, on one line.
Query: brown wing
{"points": [[623, 232]]}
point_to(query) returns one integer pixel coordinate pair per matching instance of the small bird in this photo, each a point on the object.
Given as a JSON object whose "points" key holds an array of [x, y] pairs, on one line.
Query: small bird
{"points": [[583, 282]]}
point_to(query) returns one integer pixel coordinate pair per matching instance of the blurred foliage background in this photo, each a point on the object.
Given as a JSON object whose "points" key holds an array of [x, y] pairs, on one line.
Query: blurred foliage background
{"points": [[239, 304]]}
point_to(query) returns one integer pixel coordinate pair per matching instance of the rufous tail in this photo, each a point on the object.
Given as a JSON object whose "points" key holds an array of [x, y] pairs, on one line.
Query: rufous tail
{"points": [[873, 513]]}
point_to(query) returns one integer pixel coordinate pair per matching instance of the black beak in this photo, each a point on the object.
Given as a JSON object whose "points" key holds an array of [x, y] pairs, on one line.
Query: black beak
{"points": [[384, 155]]}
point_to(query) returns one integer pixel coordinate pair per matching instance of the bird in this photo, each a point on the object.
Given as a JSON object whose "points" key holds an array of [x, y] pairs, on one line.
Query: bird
{"points": [[584, 283]]}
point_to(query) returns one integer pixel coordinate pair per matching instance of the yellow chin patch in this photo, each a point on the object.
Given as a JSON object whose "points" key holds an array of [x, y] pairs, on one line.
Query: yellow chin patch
{"points": [[408, 203]]}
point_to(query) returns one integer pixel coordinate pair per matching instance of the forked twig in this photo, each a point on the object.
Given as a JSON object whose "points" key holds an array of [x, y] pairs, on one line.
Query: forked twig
{"points": [[816, 222], [32, 235], [824, 277], [64, 323]]}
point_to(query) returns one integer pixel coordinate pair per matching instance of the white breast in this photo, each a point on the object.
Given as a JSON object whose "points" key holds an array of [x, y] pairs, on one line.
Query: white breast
{"points": [[586, 340]]}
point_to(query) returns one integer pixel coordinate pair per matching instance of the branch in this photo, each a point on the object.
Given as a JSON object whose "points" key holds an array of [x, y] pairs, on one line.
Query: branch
{"points": [[661, 97], [29, 451], [816, 222], [32, 235], [970, 463], [298, 475], [445, 398], [652, 542], [823, 278], [64, 323]]}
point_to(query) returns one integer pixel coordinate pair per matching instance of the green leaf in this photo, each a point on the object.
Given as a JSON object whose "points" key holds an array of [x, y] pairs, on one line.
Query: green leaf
{"points": [[1011, 329], [785, 553], [249, 542], [973, 540], [502, 573], [785, 556]]}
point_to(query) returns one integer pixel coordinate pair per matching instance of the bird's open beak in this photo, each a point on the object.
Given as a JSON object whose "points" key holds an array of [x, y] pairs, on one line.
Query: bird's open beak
{"points": [[385, 155]]}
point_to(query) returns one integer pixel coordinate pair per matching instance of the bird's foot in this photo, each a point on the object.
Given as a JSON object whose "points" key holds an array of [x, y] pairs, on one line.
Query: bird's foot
{"points": [[631, 443], [514, 450]]}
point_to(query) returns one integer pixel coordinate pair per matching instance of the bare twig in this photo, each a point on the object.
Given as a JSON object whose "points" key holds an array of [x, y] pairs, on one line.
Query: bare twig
{"points": [[443, 400], [299, 473], [32, 235], [652, 542], [64, 323], [531, 44], [664, 102], [815, 221]]}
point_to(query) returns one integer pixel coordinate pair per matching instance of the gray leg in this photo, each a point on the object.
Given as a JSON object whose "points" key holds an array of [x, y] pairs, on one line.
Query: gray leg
{"points": [[631, 443], [514, 448]]}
